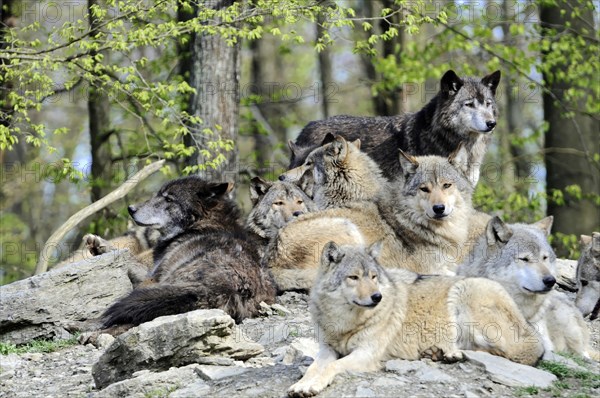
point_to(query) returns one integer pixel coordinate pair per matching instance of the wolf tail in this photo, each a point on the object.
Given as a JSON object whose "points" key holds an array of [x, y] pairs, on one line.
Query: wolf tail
{"points": [[145, 304]]}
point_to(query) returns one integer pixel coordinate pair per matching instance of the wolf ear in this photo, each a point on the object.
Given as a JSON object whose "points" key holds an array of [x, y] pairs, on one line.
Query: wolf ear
{"points": [[258, 189], [460, 158], [545, 224], [331, 254], [451, 83], [338, 148], [219, 189], [492, 80], [328, 139], [596, 242], [356, 143], [497, 232], [375, 249], [585, 240], [408, 163], [293, 147]]}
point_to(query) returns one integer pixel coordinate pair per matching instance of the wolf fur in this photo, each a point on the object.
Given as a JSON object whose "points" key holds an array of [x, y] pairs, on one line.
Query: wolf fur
{"points": [[366, 315], [588, 276], [519, 257], [463, 112], [404, 218], [340, 173], [203, 259], [274, 204]]}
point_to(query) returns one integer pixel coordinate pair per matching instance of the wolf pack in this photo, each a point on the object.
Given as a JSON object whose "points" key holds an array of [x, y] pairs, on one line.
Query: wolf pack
{"points": [[374, 219]]}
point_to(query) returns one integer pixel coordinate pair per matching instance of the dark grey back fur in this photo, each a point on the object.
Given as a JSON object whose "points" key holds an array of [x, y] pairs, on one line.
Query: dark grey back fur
{"points": [[457, 114]]}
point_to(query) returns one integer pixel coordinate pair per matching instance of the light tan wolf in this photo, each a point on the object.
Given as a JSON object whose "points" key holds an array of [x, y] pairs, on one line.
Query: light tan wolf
{"points": [[366, 314], [588, 276], [424, 219], [341, 174], [519, 257]]}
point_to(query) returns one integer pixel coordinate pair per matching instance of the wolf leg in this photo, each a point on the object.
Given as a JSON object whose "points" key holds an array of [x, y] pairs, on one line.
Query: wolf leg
{"points": [[97, 245], [363, 359]]}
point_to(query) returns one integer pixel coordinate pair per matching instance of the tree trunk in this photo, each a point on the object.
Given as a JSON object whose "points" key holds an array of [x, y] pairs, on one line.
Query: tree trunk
{"points": [[262, 146], [325, 72], [100, 130], [215, 77], [564, 166]]}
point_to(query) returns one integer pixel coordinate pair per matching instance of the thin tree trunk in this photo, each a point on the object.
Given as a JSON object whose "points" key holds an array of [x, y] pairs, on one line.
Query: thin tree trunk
{"points": [[215, 76], [262, 145], [579, 132], [100, 131], [325, 70]]}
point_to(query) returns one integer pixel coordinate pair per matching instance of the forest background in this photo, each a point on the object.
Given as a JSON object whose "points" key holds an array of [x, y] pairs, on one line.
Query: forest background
{"points": [[92, 90]]}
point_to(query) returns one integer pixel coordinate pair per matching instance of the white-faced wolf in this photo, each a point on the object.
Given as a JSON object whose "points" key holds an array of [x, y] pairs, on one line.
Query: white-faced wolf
{"points": [[519, 257], [464, 111], [366, 314], [203, 259]]}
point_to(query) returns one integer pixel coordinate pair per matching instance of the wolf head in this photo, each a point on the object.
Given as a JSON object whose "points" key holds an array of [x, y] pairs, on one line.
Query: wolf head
{"points": [[350, 276], [274, 205], [340, 173], [181, 203], [432, 187], [588, 275], [298, 153], [468, 105], [518, 256]]}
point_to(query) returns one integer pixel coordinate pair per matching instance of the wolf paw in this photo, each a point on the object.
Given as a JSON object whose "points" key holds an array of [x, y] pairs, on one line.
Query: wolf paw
{"points": [[437, 354], [434, 353], [305, 388], [454, 356], [96, 245]]}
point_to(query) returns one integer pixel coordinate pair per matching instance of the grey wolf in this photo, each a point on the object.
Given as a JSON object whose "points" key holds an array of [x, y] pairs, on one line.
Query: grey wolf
{"points": [[204, 258], [588, 276], [519, 257], [340, 174], [463, 112], [366, 314], [424, 219], [274, 204]]}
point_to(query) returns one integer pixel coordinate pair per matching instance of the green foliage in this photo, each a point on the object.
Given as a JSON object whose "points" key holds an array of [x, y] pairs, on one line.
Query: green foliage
{"points": [[131, 55], [41, 346]]}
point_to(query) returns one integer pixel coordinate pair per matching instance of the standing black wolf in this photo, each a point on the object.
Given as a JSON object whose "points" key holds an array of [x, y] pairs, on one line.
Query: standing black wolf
{"points": [[464, 111], [203, 259]]}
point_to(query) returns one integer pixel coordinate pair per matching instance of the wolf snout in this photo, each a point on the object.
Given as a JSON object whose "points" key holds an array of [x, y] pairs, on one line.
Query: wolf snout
{"points": [[282, 177], [376, 297], [490, 124], [297, 213], [131, 209], [549, 281], [439, 209]]}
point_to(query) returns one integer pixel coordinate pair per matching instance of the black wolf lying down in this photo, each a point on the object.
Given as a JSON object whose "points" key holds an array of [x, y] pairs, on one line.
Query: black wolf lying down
{"points": [[204, 258]]}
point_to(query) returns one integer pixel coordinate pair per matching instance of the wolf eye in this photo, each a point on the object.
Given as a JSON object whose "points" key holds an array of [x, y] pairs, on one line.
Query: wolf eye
{"points": [[488, 102], [545, 258], [447, 185], [308, 163], [524, 259], [424, 189], [168, 199], [353, 277], [470, 104], [278, 203], [374, 277], [300, 202]]}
